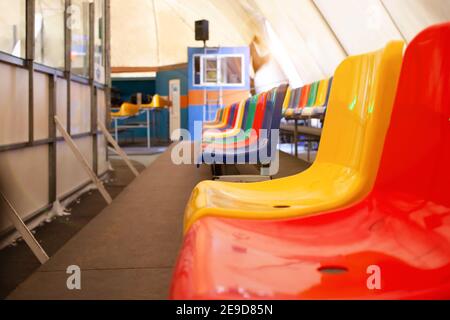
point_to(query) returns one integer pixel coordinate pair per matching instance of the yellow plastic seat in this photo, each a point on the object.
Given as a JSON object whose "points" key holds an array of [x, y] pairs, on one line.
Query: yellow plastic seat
{"points": [[126, 110], [320, 99], [157, 102], [218, 119], [359, 112], [288, 111], [287, 98], [223, 121]]}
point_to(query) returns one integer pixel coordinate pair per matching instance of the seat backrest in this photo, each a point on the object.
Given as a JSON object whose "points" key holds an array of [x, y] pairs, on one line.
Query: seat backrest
{"points": [[226, 114], [236, 115], [287, 99], [327, 97], [260, 111], [304, 96], [275, 106], [232, 114], [240, 115], [359, 112], [243, 123], [298, 94], [251, 110], [312, 94], [219, 116], [415, 165], [156, 101], [278, 99], [322, 93], [268, 113]]}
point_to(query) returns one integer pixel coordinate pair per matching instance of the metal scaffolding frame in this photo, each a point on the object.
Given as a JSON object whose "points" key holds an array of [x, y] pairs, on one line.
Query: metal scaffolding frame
{"points": [[53, 75]]}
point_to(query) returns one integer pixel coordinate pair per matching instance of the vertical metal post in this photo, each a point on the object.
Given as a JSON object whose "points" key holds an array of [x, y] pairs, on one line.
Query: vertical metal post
{"points": [[310, 140], [295, 137], [93, 90], [30, 43], [147, 111], [107, 33], [52, 160], [116, 130], [29, 57], [67, 56], [94, 122]]}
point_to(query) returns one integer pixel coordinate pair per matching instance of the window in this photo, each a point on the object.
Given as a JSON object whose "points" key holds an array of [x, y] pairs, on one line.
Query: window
{"points": [[231, 70], [12, 27], [210, 75], [79, 21], [99, 61], [218, 70], [197, 71], [49, 30]]}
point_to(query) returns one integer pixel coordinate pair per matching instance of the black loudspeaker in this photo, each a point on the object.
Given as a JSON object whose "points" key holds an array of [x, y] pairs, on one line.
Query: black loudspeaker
{"points": [[202, 30]]}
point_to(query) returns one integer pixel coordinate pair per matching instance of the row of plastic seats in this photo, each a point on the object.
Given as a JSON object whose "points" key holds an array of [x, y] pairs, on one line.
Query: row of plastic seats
{"points": [[221, 117], [235, 133], [128, 109], [369, 219], [225, 119], [310, 100]]}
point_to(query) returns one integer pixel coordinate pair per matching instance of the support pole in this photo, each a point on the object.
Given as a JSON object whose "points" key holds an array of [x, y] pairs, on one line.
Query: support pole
{"points": [[30, 45], [83, 161], [107, 42], [52, 149], [119, 150], [107, 34], [93, 89], [67, 58], [26, 234], [296, 137]]}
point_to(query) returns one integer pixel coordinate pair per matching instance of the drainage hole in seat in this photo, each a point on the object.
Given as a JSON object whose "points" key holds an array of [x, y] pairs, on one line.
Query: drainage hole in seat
{"points": [[332, 269]]}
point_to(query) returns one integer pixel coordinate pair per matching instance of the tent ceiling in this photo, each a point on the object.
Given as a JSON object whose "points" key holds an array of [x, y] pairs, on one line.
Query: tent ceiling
{"points": [[315, 35]]}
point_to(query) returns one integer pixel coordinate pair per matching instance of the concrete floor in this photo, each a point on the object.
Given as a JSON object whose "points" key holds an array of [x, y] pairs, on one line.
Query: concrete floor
{"points": [[144, 160], [128, 250], [17, 262]]}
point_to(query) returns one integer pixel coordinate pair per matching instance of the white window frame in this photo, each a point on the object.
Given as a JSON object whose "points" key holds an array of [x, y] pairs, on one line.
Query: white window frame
{"points": [[204, 57]]}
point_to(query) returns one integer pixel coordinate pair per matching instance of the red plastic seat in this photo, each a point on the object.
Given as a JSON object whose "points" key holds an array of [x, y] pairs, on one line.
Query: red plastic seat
{"points": [[402, 227]]}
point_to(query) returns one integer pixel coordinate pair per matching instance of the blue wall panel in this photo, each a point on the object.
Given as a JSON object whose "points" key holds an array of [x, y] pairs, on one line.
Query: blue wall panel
{"points": [[162, 88], [129, 87], [163, 77]]}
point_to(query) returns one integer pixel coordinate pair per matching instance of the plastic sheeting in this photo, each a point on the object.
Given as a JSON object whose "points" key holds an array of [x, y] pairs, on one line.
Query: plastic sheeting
{"points": [[142, 38], [314, 35]]}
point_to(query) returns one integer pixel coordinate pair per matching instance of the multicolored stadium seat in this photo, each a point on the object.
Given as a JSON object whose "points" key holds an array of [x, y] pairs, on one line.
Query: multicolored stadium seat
{"points": [[260, 113], [400, 230], [347, 160]]}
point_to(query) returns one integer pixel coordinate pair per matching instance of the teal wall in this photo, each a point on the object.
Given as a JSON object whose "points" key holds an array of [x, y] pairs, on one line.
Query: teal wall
{"points": [[128, 87], [151, 86], [162, 88]]}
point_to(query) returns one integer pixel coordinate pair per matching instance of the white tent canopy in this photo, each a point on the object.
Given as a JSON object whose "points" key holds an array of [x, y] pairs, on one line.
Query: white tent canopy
{"points": [[307, 38]]}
